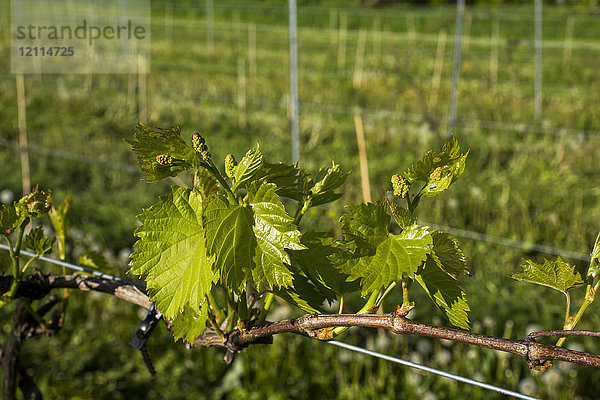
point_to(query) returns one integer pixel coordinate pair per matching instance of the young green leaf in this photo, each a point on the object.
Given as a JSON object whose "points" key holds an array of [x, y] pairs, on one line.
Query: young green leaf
{"points": [[558, 274], [402, 216], [247, 167], [393, 256], [448, 255], [171, 252], [230, 239], [9, 220], [438, 170], [366, 221], [595, 261], [206, 184], [190, 323], [150, 143], [284, 176], [94, 260], [61, 220], [328, 180], [35, 204], [38, 243], [445, 292], [275, 231], [302, 295], [315, 263]]}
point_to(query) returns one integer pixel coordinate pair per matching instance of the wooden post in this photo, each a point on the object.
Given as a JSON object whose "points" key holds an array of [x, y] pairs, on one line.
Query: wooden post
{"points": [[241, 98], [568, 46], [342, 35], [494, 44], [22, 126], [437, 69], [360, 56], [364, 164], [142, 93]]}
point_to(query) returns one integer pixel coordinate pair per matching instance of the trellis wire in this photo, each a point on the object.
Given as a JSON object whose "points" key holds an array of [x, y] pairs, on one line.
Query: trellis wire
{"points": [[371, 353], [78, 268], [445, 374], [540, 248]]}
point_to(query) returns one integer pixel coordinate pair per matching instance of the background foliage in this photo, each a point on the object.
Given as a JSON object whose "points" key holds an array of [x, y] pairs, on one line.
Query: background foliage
{"points": [[536, 184]]}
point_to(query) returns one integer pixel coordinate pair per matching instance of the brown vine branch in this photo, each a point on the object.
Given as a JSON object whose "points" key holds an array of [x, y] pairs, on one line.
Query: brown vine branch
{"points": [[314, 326], [562, 332]]}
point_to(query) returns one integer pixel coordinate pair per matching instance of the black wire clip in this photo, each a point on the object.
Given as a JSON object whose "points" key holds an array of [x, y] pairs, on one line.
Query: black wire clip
{"points": [[143, 333]]}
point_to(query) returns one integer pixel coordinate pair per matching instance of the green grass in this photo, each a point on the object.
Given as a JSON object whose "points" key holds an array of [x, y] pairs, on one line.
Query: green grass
{"points": [[531, 186]]}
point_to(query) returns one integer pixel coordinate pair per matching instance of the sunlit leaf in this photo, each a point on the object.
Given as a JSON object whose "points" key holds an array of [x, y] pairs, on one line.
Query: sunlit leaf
{"points": [[393, 257], [171, 252], [190, 323], [445, 292], [230, 240], [275, 232], [247, 168], [448, 255], [150, 142], [438, 170], [402, 216], [558, 274], [37, 242]]}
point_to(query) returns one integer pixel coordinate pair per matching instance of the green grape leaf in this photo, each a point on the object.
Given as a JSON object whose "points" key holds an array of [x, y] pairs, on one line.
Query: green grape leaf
{"points": [[94, 260], [230, 239], [327, 180], [149, 143], [248, 167], [275, 231], [61, 218], [206, 184], [284, 176], [315, 263], [190, 324], [595, 261], [438, 170], [558, 274], [35, 204], [302, 295], [172, 254], [448, 254], [366, 221], [394, 256], [38, 243], [402, 216], [445, 292], [9, 219]]}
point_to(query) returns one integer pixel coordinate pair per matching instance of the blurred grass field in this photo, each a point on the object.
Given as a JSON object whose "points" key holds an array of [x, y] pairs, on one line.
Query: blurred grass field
{"points": [[528, 181]]}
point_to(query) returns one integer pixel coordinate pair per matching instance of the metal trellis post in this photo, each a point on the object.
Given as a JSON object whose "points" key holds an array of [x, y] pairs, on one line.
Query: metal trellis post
{"points": [[460, 13], [293, 27]]}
